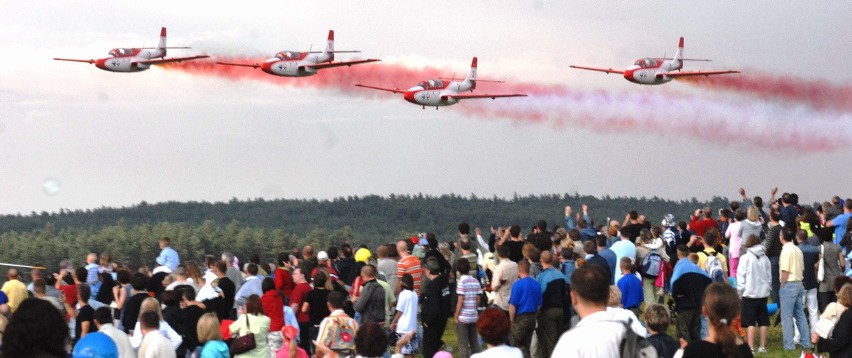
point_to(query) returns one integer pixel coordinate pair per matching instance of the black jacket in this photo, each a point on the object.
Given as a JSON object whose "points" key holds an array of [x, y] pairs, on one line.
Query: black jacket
{"points": [[371, 304], [688, 291], [838, 345], [435, 301]]}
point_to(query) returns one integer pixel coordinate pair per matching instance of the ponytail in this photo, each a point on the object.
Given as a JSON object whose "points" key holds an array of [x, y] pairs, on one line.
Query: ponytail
{"points": [[722, 305], [725, 336]]}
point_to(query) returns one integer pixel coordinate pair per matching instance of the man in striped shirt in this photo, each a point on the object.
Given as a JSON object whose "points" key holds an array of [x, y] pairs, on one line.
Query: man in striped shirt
{"points": [[408, 264], [468, 291]]}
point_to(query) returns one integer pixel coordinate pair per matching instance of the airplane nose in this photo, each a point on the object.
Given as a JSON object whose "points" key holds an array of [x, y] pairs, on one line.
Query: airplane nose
{"points": [[409, 96], [101, 63], [628, 75], [266, 67]]}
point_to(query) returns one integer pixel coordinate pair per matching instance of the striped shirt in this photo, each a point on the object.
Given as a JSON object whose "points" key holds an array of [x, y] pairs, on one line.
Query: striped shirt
{"points": [[410, 265], [469, 288]]}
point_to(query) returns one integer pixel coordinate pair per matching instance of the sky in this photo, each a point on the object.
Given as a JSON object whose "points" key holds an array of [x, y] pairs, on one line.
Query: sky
{"points": [[75, 137]]}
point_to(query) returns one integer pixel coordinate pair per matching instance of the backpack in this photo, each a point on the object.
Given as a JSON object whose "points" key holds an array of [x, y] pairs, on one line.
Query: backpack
{"points": [[634, 345], [713, 267], [651, 264], [340, 335]]}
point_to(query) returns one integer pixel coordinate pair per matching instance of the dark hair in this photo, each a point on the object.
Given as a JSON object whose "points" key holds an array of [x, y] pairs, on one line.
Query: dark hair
{"points": [[369, 270], [721, 302], [81, 274], [432, 240], [222, 266], [188, 294], [253, 305], [541, 225], [251, 269], [683, 249], [591, 283], [589, 247], [149, 319], [462, 266], [319, 279], [346, 249], [36, 326], [464, 244], [84, 292], [170, 298], [493, 326], [757, 201], [774, 215], [165, 239], [633, 214], [283, 257], [839, 281], [407, 281], [464, 229], [657, 317], [711, 237], [503, 251], [600, 240], [524, 266], [515, 231], [123, 276], [740, 215], [752, 240], [787, 234], [332, 252], [103, 315], [335, 299], [268, 284], [371, 340]]}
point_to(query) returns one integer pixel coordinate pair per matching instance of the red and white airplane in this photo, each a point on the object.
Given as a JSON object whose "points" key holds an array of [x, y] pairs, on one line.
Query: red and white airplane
{"points": [[136, 59], [301, 64], [443, 92], [656, 71]]}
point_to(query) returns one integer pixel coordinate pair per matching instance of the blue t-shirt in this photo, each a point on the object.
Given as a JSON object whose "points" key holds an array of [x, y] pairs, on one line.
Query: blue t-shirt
{"points": [[631, 291], [839, 223], [526, 295]]}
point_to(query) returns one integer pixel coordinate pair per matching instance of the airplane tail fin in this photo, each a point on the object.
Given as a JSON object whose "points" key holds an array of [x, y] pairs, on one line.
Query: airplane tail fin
{"points": [[329, 46], [161, 47], [677, 61], [471, 74]]}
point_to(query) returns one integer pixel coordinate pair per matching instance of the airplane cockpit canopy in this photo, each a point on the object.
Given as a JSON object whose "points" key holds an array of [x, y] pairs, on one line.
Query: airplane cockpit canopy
{"points": [[646, 62], [121, 52], [287, 55], [431, 84]]}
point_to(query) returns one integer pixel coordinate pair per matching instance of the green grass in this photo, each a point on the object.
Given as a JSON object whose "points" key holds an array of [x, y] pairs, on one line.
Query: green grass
{"points": [[774, 345]]}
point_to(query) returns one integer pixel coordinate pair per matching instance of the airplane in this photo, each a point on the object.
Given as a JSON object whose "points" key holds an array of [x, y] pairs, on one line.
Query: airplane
{"points": [[301, 64], [136, 59], [656, 71], [443, 92]]}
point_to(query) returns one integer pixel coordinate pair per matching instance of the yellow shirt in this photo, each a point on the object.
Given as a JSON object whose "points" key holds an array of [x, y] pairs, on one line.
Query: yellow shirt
{"points": [[702, 259], [792, 261], [16, 291]]}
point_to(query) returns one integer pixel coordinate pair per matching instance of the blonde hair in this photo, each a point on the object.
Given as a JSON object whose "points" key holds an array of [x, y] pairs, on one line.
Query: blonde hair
{"points": [[208, 328], [753, 214], [151, 304], [614, 296]]}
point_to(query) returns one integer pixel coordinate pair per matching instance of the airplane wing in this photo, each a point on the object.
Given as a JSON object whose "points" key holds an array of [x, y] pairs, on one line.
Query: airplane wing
{"points": [[341, 63], [394, 90], [607, 70], [697, 73], [173, 59], [73, 60], [254, 65], [486, 95]]}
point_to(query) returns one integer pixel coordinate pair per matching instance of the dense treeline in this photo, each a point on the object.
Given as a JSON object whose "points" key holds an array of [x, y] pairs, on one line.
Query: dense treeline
{"points": [[266, 227]]}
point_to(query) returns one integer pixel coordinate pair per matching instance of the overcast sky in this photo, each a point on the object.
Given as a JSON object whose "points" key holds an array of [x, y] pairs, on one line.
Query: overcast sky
{"points": [[73, 136]]}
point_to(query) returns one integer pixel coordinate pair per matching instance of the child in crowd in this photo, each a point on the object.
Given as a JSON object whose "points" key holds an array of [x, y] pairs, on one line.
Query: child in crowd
{"points": [[657, 320], [630, 286]]}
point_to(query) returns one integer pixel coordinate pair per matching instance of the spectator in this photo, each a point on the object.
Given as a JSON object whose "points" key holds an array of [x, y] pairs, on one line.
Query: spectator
{"points": [[623, 248], [191, 313], [649, 242], [773, 251], [168, 256], [540, 237], [593, 258], [710, 241], [290, 349], [252, 320], [370, 302], [251, 285], [298, 297], [316, 302], [555, 312], [174, 316], [340, 319], [464, 233], [590, 293], [103, 321], [753, 285], [810, 256], [15, 290], [435, 309], [721, 305], [154, 344], [524, 303], [346, 265], [702, 220], [387, 266], [630, 287], [631, 225], [405, 319], [468, 291], [35, 330], [833, 264], [371, 340], [39, 287], [607, 254], [82, 313], [494, 327], [840, 222], [232, 272], [792, 291], [433, 251], [151, 304], [210, 336], [181, 279], [408, 264], [224, 290], [504, 276], [688, 283], [735, 241], [134, 302], [273, 307], [657, 319], [283, 277], [614, 306]]}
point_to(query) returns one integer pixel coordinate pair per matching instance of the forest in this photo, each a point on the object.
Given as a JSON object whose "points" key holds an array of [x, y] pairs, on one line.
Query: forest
{"points": [[266, 227]]}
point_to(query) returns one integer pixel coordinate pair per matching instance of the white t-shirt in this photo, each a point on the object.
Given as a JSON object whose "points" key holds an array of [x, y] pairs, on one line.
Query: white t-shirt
{"points": [[407, 304], [501, 351]]}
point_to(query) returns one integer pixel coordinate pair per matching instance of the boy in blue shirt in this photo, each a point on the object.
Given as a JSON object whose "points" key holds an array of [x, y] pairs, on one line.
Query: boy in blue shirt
{"points": [[630, 286]]}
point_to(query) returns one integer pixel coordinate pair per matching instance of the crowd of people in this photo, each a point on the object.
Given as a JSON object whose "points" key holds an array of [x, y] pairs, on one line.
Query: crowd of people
{"points": [[577, 290]]}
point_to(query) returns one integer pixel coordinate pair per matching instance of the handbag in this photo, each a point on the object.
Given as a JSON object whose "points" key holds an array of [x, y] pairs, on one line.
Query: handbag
{"points": [[243, 343], [821, 267]]}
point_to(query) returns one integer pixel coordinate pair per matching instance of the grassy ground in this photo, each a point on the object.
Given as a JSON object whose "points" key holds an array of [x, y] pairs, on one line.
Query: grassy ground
{"points": [[774, 345]]}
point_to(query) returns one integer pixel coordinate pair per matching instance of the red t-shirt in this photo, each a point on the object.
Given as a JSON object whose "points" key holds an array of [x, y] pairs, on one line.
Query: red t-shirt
{"points": [[284, 281], [297, 298], [273, 307], [700, 226]]}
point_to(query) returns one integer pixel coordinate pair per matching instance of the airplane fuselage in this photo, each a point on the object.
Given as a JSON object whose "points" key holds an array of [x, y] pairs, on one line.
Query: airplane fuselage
{"points": [[294, 64], [127, 60], [436, 93], [645, 71]]}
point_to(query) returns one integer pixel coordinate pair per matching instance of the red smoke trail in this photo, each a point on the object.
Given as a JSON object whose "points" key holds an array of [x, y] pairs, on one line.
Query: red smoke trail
{"points": [[819, 94], [755, 124]]}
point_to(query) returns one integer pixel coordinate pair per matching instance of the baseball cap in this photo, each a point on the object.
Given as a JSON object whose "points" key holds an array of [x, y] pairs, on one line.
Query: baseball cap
{"points": [[668, 220], [322, 256], [290, 332]]}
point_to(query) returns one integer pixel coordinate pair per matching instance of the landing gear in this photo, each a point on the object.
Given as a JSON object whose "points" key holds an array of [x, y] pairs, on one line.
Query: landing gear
{"points": [[424, 107]]}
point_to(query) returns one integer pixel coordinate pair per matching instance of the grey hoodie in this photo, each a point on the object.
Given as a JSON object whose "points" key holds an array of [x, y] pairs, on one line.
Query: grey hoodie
{"points": [[754, 273]]}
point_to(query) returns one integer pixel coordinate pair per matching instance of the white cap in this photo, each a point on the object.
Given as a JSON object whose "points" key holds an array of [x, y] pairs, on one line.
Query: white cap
{"points": [[322, 256]]}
